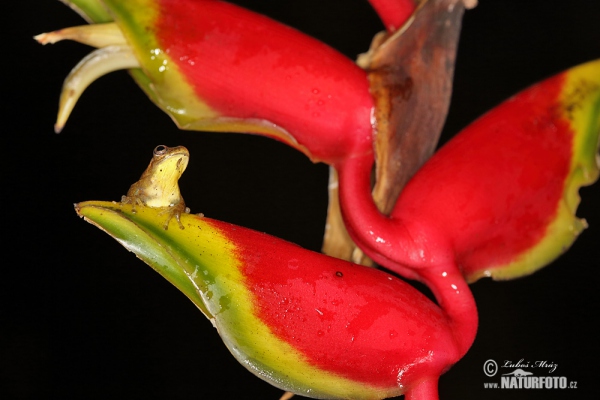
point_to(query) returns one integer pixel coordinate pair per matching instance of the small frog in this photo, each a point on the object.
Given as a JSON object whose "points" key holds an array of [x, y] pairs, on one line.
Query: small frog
{"points": [[158, 186]]}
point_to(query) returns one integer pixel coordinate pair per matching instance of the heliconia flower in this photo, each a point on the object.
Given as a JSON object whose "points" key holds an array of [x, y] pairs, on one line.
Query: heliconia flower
{"points": [[214, 66], [340, 135], [302, 321], [500, 198]]}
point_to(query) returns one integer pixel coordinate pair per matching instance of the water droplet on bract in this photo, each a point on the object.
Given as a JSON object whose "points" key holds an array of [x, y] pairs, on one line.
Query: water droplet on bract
{"points": [[224, 302], [293, 264]]}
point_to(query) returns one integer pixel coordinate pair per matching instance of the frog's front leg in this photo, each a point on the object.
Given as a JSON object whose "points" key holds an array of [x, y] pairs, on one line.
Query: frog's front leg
{"points": [[134, 201], [174, 211]]}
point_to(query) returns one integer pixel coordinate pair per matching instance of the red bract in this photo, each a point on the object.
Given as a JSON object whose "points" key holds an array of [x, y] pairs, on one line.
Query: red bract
{"points": [[501, 197], [306, 323], [245, 67], [214, 66]]}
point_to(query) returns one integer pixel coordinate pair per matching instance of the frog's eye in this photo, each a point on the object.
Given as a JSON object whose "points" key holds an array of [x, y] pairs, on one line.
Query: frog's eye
{"points": [[160, 150]]}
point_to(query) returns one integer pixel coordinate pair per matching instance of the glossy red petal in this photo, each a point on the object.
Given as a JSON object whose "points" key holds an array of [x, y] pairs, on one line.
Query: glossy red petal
{"points": [[503, 190], [248, 67]]}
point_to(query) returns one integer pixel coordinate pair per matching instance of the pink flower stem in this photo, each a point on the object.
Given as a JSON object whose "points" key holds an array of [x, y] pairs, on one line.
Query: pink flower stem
{"points": [[413, 250], [426, 390]]}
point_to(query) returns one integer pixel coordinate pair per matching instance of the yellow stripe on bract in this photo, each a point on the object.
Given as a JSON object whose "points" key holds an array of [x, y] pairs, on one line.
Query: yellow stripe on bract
{"points": [[580, 101], [163, 81]]}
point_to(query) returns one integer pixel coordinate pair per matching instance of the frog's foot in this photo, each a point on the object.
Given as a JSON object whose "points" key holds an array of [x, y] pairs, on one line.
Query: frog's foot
{"points": [[174, 211], [133, 201]]}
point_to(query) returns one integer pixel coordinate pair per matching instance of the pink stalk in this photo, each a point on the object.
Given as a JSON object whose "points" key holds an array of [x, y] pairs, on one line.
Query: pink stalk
{"points": [[408, 248]]}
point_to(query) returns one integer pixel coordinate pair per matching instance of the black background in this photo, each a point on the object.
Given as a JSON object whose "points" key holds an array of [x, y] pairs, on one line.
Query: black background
{"points": [[80, 317]]}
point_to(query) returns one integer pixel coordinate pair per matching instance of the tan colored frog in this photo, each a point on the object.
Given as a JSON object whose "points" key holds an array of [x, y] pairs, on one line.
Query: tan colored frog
{"points": [[158, 186]]}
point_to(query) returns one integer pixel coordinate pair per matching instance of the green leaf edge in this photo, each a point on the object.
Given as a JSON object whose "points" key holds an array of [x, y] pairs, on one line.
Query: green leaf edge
{"points": [[146, 243]]}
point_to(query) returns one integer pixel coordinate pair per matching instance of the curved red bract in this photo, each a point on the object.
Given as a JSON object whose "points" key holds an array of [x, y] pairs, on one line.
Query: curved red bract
{"points": [[260, 63], [496, 187], [359, 323]]}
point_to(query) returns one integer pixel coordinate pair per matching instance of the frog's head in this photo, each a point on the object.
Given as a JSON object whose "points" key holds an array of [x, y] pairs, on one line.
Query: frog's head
{"points": [[163, 173], [170, 159]]}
